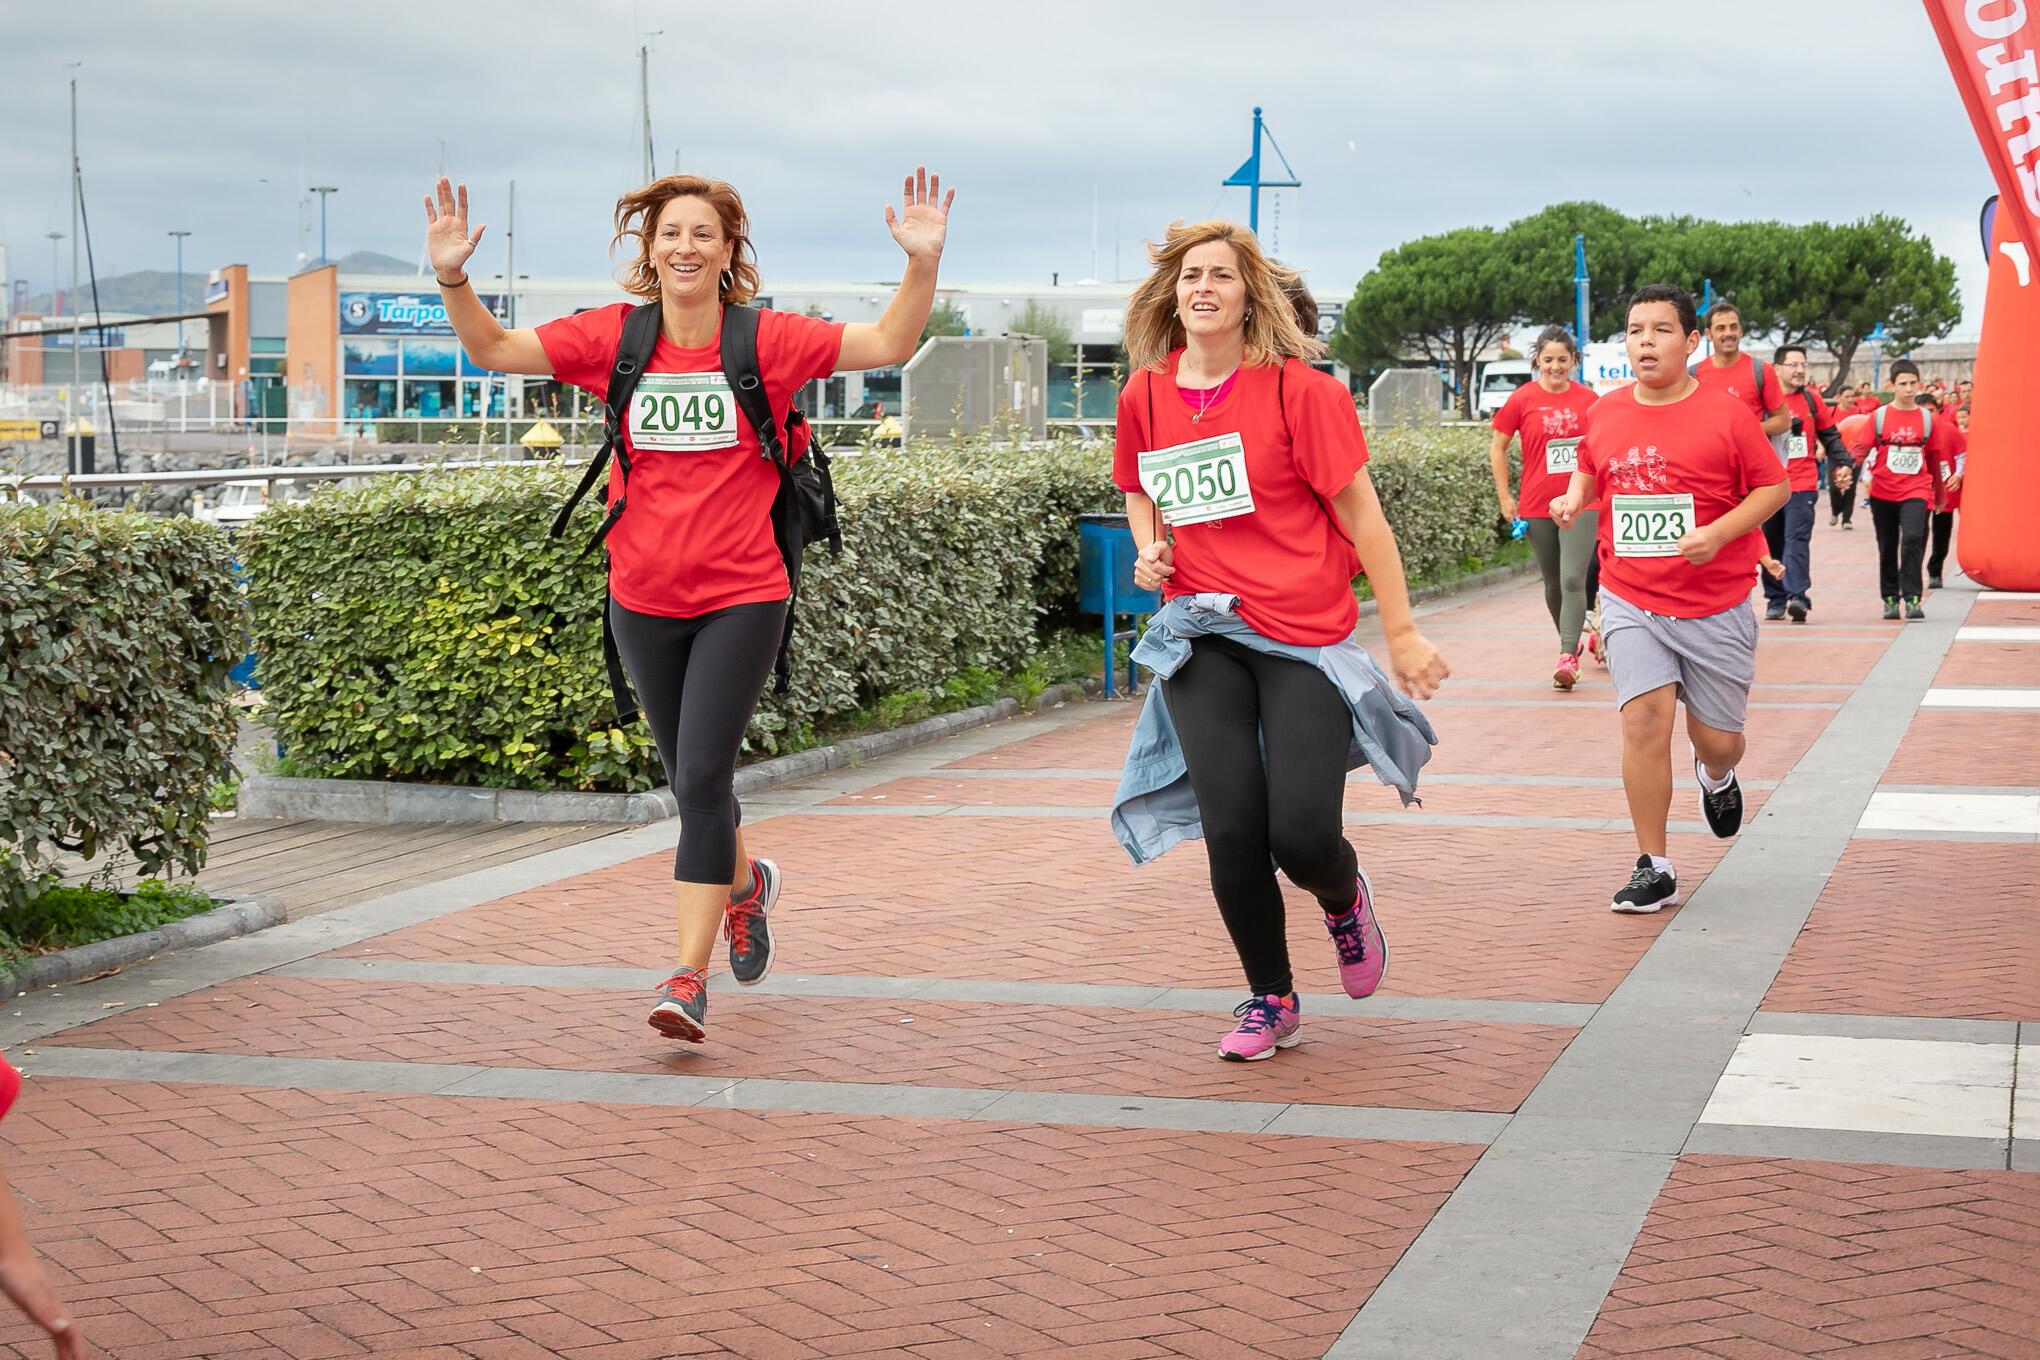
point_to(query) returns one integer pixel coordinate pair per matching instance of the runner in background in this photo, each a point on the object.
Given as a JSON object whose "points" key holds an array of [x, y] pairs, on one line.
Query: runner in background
{"points": [[1684, 475], [1745, 377], [1907, 456], [1547, 416], [1947, 495], [1809, 441], [1244, 471]]}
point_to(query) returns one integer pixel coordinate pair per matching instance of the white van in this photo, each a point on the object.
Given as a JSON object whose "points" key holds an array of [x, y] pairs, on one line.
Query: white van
{"points": [[1497, 381], [238, 503]]}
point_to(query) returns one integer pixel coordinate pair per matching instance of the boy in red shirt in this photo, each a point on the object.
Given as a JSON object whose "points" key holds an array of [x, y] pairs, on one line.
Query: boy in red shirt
{"points": [[1908, 457], [1689, 477]]}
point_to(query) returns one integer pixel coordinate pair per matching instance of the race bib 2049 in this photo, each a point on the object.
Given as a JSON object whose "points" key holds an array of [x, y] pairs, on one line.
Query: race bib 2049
{"points": [[1905, 458], [683, 413], [1562, 456], [1651, 526], [1198, 482]]}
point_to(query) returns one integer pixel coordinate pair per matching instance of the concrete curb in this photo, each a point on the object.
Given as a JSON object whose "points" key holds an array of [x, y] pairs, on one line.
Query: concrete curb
{"points": [[366, 800], [239, 916]]}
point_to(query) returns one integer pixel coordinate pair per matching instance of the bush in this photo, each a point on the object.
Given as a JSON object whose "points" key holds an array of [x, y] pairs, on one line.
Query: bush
{"points": [[426, 628], [116, 634], [64, 918]]}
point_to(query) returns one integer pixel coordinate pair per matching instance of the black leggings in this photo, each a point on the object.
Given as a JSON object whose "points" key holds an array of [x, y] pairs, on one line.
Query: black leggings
{"points": [[1901, 543], [698, 681], [1228, 702], [1942, 534]]}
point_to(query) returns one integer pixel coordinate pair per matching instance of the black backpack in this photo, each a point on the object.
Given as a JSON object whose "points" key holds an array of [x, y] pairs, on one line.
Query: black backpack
{"points": [[803, 512]]}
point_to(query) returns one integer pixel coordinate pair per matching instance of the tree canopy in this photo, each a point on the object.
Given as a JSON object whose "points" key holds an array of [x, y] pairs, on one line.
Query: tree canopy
{"points": [[1447, 298], [1035, 319]]}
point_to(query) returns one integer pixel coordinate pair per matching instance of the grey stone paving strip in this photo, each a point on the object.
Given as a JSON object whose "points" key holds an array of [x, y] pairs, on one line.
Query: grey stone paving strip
{"points": [[765, 1094], [871, 987], [1393, 817], [1849, 1145], [2014, 837], [2026, 789], [1555, 781], [1885, 1027], [1519, 1259], [50, 1011], [1607, 701]]}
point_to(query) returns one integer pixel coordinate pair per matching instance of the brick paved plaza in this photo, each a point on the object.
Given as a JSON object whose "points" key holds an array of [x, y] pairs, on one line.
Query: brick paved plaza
{"points": [[976, 1112]]}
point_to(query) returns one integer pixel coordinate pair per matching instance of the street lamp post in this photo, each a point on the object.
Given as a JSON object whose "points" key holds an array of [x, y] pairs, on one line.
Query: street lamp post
{"points": [[180, 235], [323, 190]]}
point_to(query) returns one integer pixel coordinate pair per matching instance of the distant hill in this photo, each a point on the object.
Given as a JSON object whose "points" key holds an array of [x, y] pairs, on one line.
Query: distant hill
{"points": [[153, 292]]}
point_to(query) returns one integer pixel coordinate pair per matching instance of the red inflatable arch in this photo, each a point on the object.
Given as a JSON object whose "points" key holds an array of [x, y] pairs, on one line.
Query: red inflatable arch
{"points": [[1998, 535]]}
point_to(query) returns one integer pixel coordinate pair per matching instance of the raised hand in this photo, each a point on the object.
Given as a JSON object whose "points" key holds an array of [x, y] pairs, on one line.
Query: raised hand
{"points": [[446, 230], [922, 223]]}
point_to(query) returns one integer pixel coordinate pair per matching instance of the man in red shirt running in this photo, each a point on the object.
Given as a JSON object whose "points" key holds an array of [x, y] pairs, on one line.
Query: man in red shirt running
{"points": [[1757, 385], [1809, 441], [1689, 476]]}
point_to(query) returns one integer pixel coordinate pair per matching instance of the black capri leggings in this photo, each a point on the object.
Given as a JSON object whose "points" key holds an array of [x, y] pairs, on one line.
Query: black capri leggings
{"points": [[1228, 703], [698, 681]]}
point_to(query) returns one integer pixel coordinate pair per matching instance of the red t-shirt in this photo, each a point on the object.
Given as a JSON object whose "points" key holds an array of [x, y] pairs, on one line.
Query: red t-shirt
{"points": [[1540, 419], [10, 1086], [1739, 380], [696, 535], [1290, 564], [1958, 445], [1865, 405], [1906, 431], [1706, 445], [1814, 416]]}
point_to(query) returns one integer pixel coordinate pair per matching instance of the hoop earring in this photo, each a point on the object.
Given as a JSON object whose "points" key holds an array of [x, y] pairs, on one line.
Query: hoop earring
{"points": [[728, 280]]}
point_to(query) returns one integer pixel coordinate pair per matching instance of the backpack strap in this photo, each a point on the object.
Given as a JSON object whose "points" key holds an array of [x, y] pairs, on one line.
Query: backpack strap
{"points": [[1878, 419], [633, 351]]}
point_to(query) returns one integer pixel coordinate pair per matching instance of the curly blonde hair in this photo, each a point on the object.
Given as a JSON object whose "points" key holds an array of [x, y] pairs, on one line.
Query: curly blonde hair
{"points": [[1154, 330], [637, 216]]}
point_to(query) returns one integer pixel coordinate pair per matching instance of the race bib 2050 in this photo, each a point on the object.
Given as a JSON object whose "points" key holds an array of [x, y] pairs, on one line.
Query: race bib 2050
{"points": [[1198, 482]]}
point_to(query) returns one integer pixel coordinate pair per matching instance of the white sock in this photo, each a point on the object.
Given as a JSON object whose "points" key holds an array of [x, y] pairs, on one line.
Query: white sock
{"points": [[1709, 782], [1662, 865]]}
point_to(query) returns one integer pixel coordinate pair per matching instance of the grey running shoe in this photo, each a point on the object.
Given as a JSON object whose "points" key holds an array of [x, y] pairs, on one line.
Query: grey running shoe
{"points": [[684, 1012], [749, 933], [1913, 610]]}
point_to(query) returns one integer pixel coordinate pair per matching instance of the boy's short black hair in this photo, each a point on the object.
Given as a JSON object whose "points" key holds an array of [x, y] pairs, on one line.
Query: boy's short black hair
{"points": [[1778, 354], [1689, 316], [1723, 305], [1930, 401], [1904, 366]]}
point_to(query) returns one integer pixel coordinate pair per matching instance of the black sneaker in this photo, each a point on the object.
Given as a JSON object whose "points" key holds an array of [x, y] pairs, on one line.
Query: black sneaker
{"points": [[1774, 610], [1723, 808], [1933, 583], [683, 1014], [749, 933], [1798, 607], [1646, 891], [1890, 606], [1913, 610]]}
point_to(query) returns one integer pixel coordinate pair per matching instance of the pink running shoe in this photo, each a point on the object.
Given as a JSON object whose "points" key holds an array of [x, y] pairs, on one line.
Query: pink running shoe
{"points": [[1363, 953], [1567, 673], [1266, 1024]]}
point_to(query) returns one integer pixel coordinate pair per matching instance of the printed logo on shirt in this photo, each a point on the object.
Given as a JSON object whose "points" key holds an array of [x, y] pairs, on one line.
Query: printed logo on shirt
{"points": [[1561, 420], [1638, 470]]}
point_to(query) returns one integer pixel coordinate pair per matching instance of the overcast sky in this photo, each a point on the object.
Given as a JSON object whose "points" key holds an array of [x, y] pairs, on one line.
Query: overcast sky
{"points": [[1399, 119]]}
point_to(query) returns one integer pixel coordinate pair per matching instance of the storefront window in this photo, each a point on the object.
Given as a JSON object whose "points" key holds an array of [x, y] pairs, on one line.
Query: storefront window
{"points": [[429, 400], [471, 398], [370, 400], [881, 394], [371, 357], [431, 358]]}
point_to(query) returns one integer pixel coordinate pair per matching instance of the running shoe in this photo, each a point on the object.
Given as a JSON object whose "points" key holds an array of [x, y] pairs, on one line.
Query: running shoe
{"points": [[1933, 583], [1848, 524], [1723, 807], [1797, 608], [1833, 520], [1567, 673], [1913, 610], [1647, 890], [684, 1012], [1363, 953], [750, 935], [1890, 606], [1266, 1024], [1774, 611]]}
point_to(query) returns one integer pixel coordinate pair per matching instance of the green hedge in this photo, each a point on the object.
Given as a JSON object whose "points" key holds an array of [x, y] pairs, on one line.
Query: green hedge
{"points": [[117, 631], [425, 628]]}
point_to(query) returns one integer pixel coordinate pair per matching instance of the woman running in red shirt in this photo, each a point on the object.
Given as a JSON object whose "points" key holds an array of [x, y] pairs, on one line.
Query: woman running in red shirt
{"points": [[1248, 496], [1548, 416], [697, 589]]}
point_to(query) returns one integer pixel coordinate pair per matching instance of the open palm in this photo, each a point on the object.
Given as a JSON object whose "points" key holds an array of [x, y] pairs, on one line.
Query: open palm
{"points": [[922, 224], [446, 228]]}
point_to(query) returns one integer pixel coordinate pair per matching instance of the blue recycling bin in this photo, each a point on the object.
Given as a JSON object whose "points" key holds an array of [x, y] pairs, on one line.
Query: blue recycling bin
{"points": [[1105, 555]]}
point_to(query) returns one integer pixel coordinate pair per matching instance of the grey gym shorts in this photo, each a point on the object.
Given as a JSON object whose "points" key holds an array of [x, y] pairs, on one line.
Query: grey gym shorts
{"points": [[1713, 660]]}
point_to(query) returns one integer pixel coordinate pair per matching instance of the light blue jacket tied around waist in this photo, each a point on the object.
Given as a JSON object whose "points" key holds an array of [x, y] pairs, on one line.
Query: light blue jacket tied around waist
{"points": [[1155, 807]]}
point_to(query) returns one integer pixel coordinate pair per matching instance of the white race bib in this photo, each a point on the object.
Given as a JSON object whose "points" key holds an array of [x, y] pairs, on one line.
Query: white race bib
{"points": [[1562, 456], [1904, 458], [1795, 447], [683, 413], [1198, 482], [1651, 526]]}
